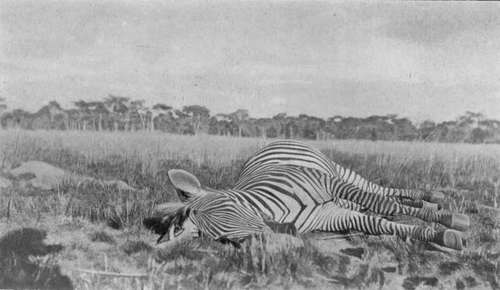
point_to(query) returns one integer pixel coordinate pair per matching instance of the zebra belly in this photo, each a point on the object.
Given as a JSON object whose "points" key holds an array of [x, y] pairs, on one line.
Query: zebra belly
{"points": [[321, 217]]}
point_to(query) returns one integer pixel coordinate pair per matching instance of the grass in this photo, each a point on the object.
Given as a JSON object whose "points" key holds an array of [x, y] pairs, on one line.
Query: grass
{"points": [[100, 227]]}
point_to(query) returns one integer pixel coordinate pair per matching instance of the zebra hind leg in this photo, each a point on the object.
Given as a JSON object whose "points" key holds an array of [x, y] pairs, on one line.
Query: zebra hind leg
{"points": [[346, 220], [388, 206]]}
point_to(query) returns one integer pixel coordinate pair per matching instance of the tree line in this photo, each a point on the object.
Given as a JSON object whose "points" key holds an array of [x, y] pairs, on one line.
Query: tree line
{"points": [[117, 113]]}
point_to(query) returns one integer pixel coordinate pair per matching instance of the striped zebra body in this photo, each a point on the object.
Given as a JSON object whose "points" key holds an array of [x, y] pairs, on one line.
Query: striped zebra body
{"points": [[291, 152], [290, 183], [299, 195]]}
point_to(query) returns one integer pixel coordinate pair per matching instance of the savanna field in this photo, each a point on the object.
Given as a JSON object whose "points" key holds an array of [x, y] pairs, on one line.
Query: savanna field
{"points": [[103, 245]]}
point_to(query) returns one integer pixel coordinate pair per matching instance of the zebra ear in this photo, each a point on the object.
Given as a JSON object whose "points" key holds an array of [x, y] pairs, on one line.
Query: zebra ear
{"points": [[186, 184]]}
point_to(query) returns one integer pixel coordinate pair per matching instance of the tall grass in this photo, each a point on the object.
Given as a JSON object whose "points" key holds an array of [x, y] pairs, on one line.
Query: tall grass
{"points": [[468, 173]]}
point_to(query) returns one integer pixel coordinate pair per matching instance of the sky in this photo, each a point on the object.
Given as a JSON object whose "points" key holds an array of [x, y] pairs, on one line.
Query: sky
{"points": [[422, 60]]}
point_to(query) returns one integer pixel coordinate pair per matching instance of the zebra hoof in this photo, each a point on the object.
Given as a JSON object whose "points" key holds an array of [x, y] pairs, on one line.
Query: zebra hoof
{"points": [[431, 206], [450, 239], [456, 221], [434, 196]]}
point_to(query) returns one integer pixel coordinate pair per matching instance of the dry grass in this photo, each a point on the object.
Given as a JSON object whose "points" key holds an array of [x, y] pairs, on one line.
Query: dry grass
{"points": [[79, 217]]}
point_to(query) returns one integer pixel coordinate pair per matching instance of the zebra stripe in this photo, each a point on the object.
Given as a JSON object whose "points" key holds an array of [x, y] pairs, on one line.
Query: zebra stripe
{"points": [[291, 152], [303, 188], [219, 217], [288, 182]]}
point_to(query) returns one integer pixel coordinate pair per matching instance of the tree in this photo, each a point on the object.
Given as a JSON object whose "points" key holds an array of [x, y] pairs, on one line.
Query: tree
{"points": [[220, 124], [137, 114], [426, 130], [160, 111], [239, 118], [3, 107], [404, 129], [266, 127], [308, 127], [118, 108], [182, 123], [198, 117], [478, 135], [99, 114], [470, 119], [84, 115], [280, 122], [18, 118]]}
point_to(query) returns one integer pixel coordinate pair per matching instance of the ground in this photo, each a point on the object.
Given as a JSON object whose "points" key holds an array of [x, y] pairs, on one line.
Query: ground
{"points": [[99, 226]]}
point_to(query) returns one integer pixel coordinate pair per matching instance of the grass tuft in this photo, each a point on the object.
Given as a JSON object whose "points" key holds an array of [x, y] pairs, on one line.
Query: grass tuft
{"points": [[101, 236], [132, 247]]}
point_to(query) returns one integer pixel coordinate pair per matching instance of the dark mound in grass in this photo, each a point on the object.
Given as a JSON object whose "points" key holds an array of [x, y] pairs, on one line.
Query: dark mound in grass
{"points": [[19, 271]]}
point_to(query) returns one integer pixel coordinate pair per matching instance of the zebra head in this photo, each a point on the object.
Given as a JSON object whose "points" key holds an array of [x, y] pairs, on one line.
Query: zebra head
{"points": [[213, 213], [172, 221]]}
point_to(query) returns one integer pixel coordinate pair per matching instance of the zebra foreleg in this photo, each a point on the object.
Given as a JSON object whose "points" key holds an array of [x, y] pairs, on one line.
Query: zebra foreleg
{"points": [[346, 220]]}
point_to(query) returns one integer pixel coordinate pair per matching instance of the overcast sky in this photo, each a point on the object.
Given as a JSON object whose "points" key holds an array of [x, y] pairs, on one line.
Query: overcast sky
{"points": [[417, 59]]}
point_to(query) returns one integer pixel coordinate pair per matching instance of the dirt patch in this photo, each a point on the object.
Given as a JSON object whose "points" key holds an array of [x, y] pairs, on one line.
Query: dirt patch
{"points": [[45, 176]]}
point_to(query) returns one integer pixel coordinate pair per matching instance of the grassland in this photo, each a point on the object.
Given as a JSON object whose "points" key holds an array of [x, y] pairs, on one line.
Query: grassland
{"points": [[100, 228]]}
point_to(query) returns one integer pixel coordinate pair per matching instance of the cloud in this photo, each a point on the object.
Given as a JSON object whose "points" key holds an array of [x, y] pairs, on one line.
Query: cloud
{"points": [[278, 101], [430, 23], [316, 57]]}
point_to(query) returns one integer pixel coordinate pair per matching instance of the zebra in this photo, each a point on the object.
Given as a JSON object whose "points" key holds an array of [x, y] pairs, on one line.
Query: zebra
{"points": [[279, 187], [294, 152]]}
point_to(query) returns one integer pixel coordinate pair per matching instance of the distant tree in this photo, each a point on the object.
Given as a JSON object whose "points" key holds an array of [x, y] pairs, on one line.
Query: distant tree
{"points": [[3, 107], [404, 129], [239, 118], [309, 127], [426, 130], [280, 122], [478, 135], [198, 116], [120, 113], [266, 127], [471, 119], [84, 114], [221, 124], [99, 115], [137, 114], [18, 118], [50, 116], [182, 123], [118, 108], [162, 114], [73, 119]]}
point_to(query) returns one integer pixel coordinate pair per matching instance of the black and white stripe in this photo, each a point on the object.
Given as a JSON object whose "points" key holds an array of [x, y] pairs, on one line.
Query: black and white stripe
{"points": [[291, 152], [288, 182]]}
